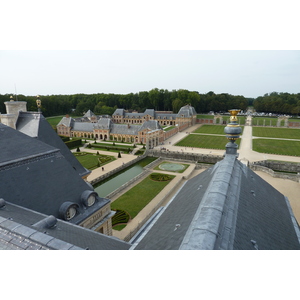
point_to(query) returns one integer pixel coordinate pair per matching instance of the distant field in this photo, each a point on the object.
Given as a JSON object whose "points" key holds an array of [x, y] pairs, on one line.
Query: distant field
{"points": [[205, 116], [53, 121], [279, 147], [204, 141], [285, 133]]}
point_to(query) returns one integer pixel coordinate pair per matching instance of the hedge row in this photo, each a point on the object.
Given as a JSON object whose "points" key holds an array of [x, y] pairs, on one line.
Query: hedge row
{"points": [[127, 149], [74, 143]]}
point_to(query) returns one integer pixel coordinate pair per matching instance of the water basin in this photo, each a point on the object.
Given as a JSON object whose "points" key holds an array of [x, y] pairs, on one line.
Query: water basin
{"points": [[112, 184]]}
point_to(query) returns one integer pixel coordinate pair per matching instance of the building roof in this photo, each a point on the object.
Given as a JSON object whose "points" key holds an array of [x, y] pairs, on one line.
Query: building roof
{"points": [[119, 111], [22, 228], [89, 114], [186, 111], [103, 123], [227, 206], [151, 125], [125, 129], [35, 125], [66, 121], [37, 176]]}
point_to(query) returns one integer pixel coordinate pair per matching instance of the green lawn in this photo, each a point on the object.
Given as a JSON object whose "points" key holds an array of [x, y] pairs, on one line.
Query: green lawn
{"points": [[205, 116], [53, 121], [264, 121], [169, 128], [204, 141], [279, 147], [285, 133], [210, 129], [134, 200], [93, 161]]}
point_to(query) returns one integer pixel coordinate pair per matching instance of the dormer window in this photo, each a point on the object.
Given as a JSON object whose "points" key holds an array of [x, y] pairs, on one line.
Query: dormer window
{"points": [[71, 213]]}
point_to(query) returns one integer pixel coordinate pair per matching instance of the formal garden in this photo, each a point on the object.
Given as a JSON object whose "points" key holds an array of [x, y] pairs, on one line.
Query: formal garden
{"points": [[92, 161], [128, 205]]}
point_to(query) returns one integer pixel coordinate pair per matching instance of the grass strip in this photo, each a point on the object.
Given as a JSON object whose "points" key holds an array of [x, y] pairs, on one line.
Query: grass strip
{"points": [[283, 133], [204, 141], [280, 147], [134, 200]]}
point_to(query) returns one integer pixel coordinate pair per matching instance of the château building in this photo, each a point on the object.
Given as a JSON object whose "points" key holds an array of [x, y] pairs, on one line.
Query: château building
{"points": [[133, 127]]}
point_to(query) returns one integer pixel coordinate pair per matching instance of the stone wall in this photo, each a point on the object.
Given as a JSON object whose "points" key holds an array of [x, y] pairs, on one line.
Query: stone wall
{"points": [[194, 157], [293, 177], [279, 165]]}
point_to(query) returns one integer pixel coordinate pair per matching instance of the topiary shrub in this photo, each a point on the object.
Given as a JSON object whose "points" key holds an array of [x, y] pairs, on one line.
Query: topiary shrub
{"points": [[120, 217], [160, 177]]}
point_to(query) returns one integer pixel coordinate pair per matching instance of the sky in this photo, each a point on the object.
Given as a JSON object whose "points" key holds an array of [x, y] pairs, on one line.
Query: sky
{"points": [[247, 48], [249, 73]]}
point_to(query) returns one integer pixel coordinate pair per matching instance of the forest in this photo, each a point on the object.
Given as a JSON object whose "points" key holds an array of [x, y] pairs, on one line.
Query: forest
{"points": [[158, 99], [278, 103]]}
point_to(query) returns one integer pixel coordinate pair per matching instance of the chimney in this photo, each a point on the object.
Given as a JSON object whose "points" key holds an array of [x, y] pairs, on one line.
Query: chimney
{"points": [[233, 132]]}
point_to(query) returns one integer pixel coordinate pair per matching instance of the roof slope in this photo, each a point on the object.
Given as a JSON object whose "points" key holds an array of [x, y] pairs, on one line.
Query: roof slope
{"points": [[37, 176], [225, 207], [18, 231], [35, 125]]}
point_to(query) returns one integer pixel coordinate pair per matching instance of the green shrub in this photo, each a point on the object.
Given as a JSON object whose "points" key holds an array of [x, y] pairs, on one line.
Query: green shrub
{"points": [[160, 177], [120, 217], [73, 143]]}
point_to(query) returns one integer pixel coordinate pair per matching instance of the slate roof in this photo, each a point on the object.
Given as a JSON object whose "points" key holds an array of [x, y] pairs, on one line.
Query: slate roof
{"points": [[37, 176], [103, 123], [35, 125], [186, 111], [227, 206], [124, 129], [68, 122], [19, 230], [89, 114], [150, 112], [152, 125], [83, 126], [119, 111]]}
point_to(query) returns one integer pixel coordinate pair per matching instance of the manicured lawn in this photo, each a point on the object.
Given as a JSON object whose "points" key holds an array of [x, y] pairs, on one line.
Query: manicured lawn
{"points": [[53, 121], [134, 200], [285, 133], [204, 141], [93, 161], [205, 116], [169, 128], [279, 147], [210, 129]]}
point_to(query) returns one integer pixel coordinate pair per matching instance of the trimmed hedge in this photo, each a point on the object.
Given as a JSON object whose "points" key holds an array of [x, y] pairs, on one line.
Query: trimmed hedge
{"points": [[120, 217], [125, 149], [160, 177], [74, 143]]}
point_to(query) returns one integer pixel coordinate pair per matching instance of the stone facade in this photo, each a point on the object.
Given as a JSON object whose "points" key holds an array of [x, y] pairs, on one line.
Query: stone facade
{"points": [[128, 127]]}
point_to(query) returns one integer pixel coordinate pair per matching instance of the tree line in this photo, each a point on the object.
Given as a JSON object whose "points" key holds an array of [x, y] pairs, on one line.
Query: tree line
{"points": [[158, 99], [278, 103]]}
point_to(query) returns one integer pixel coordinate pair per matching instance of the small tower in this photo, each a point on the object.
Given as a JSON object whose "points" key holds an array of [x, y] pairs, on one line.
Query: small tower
{"points": [[38, 103], [233, 132]]}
